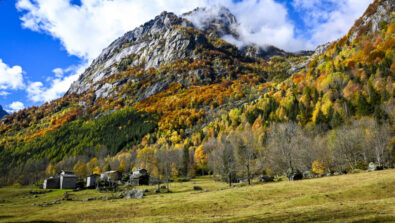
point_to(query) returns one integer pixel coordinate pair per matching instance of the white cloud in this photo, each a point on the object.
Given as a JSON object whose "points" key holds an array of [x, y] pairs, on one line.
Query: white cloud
{"points": [[10, 77], [269, 25], [16, 106], [4, 93], [87, 29], [330, 19], [84, 31], [58, 85]]}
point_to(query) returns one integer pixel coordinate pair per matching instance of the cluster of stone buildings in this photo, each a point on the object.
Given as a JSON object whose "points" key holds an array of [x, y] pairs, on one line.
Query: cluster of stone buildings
{"points": [[64, 180], [68, 180]]}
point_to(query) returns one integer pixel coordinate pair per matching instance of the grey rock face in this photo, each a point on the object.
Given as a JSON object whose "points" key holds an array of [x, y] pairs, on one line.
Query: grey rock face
{"points": [[321, 49], [255, 51], [157, 42], [151, 44], [384, 12]]}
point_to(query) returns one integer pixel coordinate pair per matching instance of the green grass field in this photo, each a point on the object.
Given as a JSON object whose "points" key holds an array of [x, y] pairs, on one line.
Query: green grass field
{"points": [[363, 197]]}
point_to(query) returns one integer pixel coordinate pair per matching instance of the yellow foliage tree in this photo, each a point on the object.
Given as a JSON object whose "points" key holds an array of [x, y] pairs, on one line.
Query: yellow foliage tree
{"points": [[174, 170], [96, 170], [122, 166], [200, 157], [92, 164], [318, 167], [50, 170], [80, 169]]}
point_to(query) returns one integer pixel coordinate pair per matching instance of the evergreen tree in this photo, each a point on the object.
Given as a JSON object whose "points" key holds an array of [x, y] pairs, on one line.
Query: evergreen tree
{"points": [[363, 107], [185, 160]]}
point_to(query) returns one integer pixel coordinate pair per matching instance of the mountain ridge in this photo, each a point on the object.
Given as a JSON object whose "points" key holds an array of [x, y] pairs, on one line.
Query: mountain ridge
{"points": [[160, 29], [2, 112], [186, 87]]}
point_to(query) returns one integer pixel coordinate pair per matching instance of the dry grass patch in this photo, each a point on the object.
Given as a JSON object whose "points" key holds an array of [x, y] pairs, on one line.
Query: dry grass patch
{"points": [[364, 197]]}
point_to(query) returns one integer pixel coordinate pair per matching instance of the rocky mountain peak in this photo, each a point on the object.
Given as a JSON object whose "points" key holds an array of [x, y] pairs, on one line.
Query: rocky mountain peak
{"points": [[166, 20], [157, 42], [215, 20], [2, 112]]}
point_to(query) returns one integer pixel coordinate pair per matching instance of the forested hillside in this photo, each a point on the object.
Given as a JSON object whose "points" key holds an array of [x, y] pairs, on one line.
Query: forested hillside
{"points": [[181, 101]]}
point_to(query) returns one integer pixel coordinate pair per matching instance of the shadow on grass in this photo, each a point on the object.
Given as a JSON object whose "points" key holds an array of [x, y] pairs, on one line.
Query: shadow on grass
{"points": [[40, 221], [5, 216], [321, 215]]}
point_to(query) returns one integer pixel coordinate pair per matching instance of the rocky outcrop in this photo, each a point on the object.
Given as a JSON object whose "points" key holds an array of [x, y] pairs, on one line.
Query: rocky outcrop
{"points": [[2, 112], [255, 51], [321, 49], [156, 42], [381, 11]]}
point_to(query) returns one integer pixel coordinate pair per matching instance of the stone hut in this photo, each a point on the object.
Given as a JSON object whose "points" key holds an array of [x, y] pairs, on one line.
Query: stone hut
{"points": [[139, 177], [52, 182], [111, 176], [68, 180], [91, 180]]}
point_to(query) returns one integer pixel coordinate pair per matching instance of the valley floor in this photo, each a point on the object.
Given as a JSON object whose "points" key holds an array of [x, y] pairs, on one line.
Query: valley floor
{"points": [[364, 197]]}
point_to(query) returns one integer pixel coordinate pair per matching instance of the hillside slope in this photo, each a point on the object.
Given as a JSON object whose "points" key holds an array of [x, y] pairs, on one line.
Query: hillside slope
{"points": [[171, 82]]}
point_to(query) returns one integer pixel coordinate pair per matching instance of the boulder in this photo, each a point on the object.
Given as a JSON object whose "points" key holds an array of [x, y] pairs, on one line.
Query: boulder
{"points": [[134, 193], [308, 174], [372, 167], [197, 188], [121, 195], [266, 178], [294, 174]]}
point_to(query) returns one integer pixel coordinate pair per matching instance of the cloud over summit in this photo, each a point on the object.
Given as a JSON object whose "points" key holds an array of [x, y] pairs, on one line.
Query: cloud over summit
{"points": [[85, 29]]}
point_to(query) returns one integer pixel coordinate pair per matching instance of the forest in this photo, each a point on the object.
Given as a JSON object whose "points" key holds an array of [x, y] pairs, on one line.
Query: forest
{"points": [[255, 117]]}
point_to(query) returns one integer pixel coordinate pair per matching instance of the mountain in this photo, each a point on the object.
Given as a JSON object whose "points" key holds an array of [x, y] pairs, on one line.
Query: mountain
{"points": [[168, 38], [175, 81], [2, 112]]}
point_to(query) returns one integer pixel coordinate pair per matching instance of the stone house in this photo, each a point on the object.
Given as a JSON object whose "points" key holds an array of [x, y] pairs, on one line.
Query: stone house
{"points": [[91, 180], [139, 177], [68, 180], [111, 176], [52, 182]]}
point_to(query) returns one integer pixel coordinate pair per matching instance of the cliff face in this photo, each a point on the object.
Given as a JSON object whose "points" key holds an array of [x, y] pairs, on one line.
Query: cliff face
{"points": [[378, 14]]}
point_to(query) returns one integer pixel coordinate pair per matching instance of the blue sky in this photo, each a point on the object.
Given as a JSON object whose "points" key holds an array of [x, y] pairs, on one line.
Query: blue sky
{"points": [[46, 44]]}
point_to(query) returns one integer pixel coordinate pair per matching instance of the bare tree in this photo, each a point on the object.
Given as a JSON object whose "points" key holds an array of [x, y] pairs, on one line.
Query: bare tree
{"points": [[246, 146], [379, 138], [165, 156], [346, 144], [222, 160], [282, 148], [210, 147]]}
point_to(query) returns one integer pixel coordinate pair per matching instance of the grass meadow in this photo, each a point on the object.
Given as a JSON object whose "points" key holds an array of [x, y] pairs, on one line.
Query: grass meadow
{"points": [[363, 197]]}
